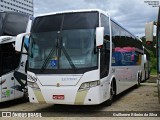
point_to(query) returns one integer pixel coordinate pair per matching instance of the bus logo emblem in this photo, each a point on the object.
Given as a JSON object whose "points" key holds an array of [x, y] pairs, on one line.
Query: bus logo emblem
{"points": [[58, 85]]}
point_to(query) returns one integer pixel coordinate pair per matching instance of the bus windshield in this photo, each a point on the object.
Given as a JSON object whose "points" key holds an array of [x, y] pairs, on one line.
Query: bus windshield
{"points": [[10, 25], [63, 42]]}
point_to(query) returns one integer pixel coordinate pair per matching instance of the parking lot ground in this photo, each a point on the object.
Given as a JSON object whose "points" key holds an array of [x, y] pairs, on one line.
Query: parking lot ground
{"points": [[143, 99]]}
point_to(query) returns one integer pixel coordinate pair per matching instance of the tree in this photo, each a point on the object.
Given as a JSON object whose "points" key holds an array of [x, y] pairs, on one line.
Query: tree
{"points": [[153, 53]]}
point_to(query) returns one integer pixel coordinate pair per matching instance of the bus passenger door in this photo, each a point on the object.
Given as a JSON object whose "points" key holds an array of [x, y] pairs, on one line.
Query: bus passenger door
{"points": [[105, 57]]}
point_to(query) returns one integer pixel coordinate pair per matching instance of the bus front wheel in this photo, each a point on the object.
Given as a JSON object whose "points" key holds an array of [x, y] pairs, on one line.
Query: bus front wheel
{"points": [[112, 94]]}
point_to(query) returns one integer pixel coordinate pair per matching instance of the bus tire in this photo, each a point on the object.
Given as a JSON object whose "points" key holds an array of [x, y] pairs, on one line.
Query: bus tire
{"points": [[145, 78], [139, 80], [112, 93]]}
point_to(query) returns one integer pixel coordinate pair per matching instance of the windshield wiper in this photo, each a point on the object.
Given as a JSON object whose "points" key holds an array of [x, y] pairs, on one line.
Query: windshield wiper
{"points": [[47, 59], [68, 57], [60, 47], [63, 49]]}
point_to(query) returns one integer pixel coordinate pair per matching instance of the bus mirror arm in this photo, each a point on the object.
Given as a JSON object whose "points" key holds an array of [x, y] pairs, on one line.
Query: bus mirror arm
{"points": [[19, 42], [23, 53]]}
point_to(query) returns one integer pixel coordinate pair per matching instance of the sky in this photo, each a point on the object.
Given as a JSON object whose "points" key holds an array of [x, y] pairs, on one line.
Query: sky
{"points": [[131, 14]]}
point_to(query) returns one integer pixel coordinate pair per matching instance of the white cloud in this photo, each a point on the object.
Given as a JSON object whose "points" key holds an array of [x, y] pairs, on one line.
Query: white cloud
{"points": [[132, 14]]}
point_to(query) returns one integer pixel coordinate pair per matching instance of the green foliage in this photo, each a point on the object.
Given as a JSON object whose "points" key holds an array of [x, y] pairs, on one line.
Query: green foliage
{"points": [[153, 63], [153, 53]]}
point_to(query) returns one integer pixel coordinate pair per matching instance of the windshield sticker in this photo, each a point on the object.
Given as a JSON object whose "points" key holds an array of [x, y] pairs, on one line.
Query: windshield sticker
{"points": [[53, 62], [79, 62], [8, 93]]}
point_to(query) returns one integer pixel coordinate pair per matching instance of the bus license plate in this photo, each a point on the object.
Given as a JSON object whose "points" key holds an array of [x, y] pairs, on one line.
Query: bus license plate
{"points": [[58, 97]]}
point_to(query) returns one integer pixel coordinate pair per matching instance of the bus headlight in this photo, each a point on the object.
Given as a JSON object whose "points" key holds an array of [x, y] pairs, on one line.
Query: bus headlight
{"points": [[88, 85], [32, 81], [33, 85]]}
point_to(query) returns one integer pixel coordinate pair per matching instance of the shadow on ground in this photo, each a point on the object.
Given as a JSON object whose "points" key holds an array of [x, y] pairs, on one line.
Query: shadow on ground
{"points": [[12, 103]]}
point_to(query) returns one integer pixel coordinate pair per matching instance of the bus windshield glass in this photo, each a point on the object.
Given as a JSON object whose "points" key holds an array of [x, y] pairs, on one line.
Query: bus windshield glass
{"points": [[63, 42], [10, 25]]}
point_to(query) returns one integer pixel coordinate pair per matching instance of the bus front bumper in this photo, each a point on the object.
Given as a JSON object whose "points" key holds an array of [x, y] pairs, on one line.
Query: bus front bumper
{"points": [[65, 95]]}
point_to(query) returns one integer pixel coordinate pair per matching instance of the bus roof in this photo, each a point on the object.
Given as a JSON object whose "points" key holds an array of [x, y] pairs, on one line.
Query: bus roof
{"points": [[73, 11]]}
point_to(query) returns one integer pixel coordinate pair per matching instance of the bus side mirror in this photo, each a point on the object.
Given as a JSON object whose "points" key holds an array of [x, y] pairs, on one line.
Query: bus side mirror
{"points": [[99, 36], [19, 41], [149, 32]]}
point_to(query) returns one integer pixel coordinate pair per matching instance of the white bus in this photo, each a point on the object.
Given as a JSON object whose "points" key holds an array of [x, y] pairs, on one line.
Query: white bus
{"points": [[80, 57], [13, 78]]}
